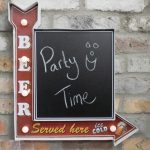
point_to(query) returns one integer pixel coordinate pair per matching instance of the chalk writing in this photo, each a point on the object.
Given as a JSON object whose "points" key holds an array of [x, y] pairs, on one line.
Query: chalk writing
{"points": [[62, 63], [91, 60], [68, 63], [75, 99]]}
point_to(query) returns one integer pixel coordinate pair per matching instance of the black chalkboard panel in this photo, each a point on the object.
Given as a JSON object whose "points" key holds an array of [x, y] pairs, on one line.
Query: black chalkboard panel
{"points": [[74, 75]]}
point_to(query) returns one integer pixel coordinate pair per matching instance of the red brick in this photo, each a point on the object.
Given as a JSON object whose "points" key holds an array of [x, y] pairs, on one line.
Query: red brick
{"points": [[6, 106], [132, 43], [136, 104], [41, 145], [6, 83], [3, 5], [27, 145], [6, 64], [137, 143], [9, 145], [3, 127], [90, 145]]}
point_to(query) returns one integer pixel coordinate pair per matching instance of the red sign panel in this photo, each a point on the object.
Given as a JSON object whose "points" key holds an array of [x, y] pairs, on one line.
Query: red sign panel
{"points": [[24, 21]]}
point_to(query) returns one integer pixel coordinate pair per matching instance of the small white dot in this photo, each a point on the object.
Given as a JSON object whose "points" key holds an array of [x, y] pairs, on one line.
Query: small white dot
{"points": [[95, 45], [92, 53], [24, 59], [112, 128], [24, 22], [25, 129], [25, 93], [87, 45]]}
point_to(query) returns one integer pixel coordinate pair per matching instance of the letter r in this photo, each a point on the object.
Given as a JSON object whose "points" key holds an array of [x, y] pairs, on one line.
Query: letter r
{"points": [[23, 109]]}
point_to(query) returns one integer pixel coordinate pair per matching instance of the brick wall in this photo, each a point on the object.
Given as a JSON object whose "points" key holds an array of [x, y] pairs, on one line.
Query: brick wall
{"points": [[131, 21]]}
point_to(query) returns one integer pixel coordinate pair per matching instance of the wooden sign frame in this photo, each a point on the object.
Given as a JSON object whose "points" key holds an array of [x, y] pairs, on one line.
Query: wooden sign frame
{"points": [[24, 21]]}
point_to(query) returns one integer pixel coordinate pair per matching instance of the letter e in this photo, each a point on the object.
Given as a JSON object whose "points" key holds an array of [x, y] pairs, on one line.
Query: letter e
{"points": [[23, 86], [23, 66]]}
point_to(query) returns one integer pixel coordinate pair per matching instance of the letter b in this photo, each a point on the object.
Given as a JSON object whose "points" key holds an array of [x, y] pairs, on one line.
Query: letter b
{"points": [[24, 42]]}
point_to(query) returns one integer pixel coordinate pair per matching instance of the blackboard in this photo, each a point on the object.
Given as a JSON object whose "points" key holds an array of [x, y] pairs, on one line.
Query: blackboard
{"points": [[73, 75]]}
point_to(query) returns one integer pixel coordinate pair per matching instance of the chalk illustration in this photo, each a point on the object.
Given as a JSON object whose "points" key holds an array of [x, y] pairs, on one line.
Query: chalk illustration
{"points": [[90, 59]]}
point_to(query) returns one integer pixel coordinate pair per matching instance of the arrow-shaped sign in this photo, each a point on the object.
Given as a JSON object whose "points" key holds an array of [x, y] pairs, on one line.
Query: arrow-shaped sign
{"points": [[117, 130], [25, 127], [124, 129]]}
